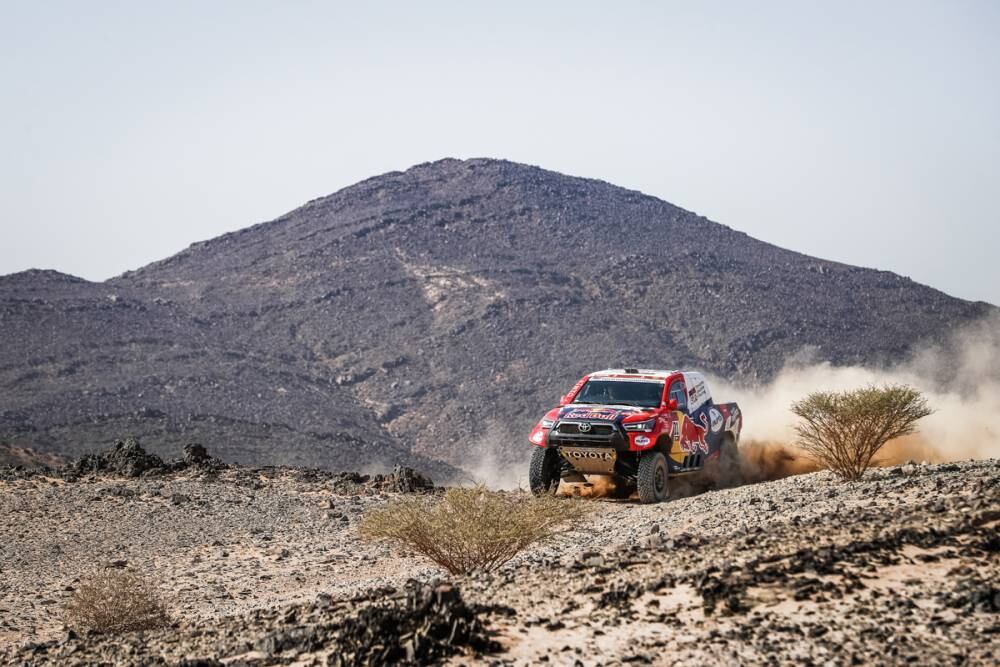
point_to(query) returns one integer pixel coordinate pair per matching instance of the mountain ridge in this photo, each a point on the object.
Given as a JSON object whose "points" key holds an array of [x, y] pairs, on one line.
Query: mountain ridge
{"points": [[432, 311]]}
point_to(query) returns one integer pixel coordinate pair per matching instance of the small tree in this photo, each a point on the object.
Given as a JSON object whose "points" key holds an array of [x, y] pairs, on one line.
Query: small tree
{"points": [[471, 528], [844, 430]]}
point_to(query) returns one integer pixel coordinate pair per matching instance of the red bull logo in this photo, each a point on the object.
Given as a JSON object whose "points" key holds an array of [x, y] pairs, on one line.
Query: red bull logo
{"points": [[589, 413], [692, 435]]}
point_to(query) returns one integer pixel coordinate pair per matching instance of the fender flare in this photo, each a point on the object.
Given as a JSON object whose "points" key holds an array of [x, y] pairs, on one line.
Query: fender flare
{"points": [[664, 443]]}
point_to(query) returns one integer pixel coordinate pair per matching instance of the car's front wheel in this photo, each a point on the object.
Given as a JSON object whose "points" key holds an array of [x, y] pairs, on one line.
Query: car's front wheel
{"points": [[651, 482], [543, 473]]}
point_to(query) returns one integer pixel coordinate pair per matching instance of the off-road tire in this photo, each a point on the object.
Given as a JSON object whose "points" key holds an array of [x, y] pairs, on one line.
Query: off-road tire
{"points": [[544, 471], [652, 482]]}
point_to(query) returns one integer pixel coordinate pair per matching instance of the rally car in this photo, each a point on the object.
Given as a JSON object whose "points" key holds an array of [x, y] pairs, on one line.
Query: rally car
{"points": [[641, 427]]}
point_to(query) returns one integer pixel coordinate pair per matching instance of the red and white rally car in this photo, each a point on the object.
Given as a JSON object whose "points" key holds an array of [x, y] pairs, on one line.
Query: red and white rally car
{"points": [[640, 426]]}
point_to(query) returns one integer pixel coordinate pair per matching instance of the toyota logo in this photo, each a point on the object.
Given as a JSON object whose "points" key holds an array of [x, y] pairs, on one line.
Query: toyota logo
{"points": [[585, 428]]}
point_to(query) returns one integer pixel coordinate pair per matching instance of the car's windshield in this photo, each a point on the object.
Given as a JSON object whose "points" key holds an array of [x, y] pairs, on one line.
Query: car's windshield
{"points": [[642, 394]]}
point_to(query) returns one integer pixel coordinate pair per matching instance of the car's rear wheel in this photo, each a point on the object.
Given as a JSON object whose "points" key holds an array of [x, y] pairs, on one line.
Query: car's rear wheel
{"points": [[725, 469], [544, 471], [652, 482]]}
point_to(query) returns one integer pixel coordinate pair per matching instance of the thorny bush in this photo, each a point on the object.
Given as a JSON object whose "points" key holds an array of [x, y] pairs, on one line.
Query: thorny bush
{"points": [[844, 430]]}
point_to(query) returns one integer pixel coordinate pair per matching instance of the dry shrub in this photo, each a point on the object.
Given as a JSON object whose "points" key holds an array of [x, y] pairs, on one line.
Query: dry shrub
{"points": [[111, 601], [471, 529], [844, 430]]}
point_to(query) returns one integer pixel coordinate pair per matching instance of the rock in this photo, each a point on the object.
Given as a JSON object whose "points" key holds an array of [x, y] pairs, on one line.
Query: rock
{"points": [[117, 492], [406, 480], [127, 458], [248, 658], [651, 541], [432, 623], [195, 454]]}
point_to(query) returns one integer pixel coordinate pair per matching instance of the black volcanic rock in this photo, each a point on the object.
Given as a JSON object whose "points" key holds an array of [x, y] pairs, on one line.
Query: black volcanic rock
{"points": [[127, 458], [429, 313]]}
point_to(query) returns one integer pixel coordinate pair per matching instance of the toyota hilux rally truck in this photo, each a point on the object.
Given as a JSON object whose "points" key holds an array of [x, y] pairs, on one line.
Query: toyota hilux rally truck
{"points": [[640, 427]]}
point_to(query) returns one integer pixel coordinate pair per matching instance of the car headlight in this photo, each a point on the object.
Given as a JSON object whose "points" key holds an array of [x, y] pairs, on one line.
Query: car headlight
{"points": [[644, 427], [546, 423]]}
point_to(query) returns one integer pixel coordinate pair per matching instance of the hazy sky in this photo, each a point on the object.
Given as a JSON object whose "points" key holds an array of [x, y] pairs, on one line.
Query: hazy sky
{"points": [[865, 132]]}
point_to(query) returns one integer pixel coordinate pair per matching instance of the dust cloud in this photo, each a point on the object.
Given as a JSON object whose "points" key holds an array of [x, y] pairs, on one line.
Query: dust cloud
{"points": [[489, 466], [960, 377], [761, 460], [596, 486]]}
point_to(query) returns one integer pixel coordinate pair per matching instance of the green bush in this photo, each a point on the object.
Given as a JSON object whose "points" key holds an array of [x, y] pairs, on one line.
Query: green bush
{"points": [[844, 430], [471, 529]]}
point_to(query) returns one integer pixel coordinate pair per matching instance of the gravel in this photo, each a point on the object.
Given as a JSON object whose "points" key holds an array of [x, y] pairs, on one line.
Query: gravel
{"points": [[264, 566]]}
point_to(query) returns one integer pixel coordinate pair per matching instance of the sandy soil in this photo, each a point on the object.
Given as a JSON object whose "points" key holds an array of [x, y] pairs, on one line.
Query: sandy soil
{"points": [[901, 566]]}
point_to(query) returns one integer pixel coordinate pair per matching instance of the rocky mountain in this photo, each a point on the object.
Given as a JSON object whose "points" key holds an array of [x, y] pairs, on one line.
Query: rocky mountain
{"points": [[426, 315]]}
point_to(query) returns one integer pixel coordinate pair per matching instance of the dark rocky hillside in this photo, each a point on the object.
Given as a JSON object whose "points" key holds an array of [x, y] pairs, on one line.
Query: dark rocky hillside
{"points": [[89, 361], [429, 314]]}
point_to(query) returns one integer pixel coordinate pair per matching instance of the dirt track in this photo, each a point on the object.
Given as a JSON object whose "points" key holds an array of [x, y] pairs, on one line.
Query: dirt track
{"points": [[899, 566]]}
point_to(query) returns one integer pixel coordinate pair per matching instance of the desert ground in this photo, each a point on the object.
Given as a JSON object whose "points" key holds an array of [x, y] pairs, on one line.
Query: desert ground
{"points": [[263, 566]]}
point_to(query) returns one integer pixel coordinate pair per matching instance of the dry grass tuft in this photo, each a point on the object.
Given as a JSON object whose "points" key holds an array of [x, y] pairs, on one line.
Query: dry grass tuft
{"points": [[113, 601], [470, 529]]}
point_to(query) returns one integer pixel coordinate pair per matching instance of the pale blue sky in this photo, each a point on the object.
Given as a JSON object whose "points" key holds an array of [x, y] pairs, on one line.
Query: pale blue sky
{"points": [[863, 132]]}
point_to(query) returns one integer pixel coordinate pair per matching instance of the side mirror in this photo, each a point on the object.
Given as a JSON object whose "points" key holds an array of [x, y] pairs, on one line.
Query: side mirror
{"points": [[564, 399], [671, 404]]}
